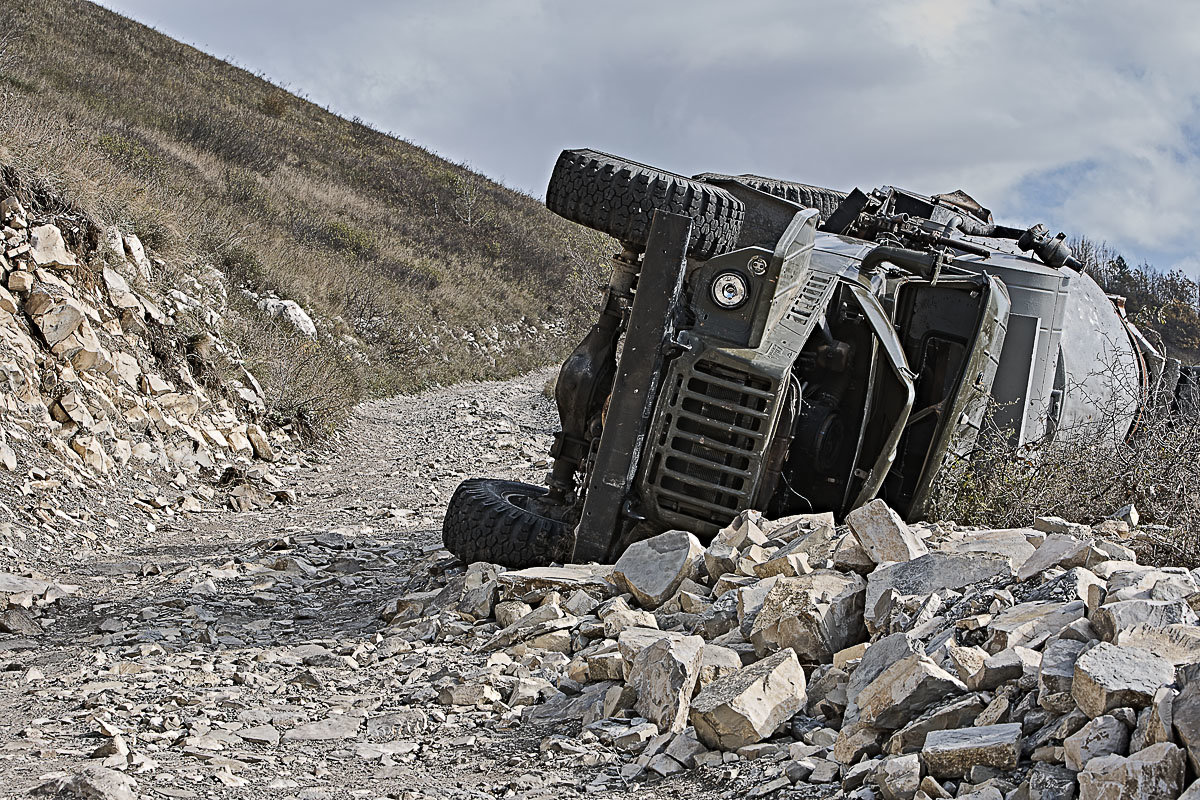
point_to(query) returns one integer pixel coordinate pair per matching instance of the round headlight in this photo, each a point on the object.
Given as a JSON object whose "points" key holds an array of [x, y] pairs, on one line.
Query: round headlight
{"points": [[729, 290]]}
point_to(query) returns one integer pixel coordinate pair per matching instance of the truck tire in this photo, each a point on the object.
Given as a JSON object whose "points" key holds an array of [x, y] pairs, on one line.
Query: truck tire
{"points": [[823, 200], [619, 198], [493, 520]]}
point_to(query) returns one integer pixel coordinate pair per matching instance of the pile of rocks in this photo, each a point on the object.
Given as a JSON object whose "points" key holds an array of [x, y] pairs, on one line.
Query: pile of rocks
{"points": [[880, 658], [94, 368], [23, 598]]}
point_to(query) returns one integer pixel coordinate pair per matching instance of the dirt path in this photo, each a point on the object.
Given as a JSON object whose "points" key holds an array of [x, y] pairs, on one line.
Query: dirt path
{"points": [[243, 655]]}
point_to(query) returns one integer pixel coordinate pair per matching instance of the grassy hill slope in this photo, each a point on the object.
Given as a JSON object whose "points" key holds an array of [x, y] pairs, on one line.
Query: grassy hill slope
{"points": [[417, 270]]}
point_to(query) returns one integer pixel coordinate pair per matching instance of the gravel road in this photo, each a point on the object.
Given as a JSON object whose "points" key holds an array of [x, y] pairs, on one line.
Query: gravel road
{"points": [[226, 654]]}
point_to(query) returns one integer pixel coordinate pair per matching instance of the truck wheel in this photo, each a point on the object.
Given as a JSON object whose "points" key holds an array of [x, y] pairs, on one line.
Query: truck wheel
{"points": [[620, 197], [499, 522], [823, 200]]}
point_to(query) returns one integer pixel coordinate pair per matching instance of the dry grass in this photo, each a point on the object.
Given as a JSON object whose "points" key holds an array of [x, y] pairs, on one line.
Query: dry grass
{"points": [[1086, 476], [419, 270]]}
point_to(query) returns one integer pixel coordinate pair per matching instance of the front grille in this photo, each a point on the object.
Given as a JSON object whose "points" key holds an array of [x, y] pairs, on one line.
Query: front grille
{"points": [[708, 444]]}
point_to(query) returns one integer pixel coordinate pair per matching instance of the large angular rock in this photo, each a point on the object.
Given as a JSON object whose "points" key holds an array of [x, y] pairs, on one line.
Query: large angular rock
{"points": [[930, 573], [856, 740], [652, 569], [1047, 782], [11, 207], [92, 452], [1156, 722], [716, 662], [17, 620], [538, 581], [1058, 666], [137, 254], [1004, 666], [899, 777], [1010, 542], [965, 661], [618, 616], [720, 617], [850, 556], [750, 601], [83, 349], [332, 728], [606, 665], [815, 615], [951, 753], [1109, 676], [633, 641], [1058, 550], [90, 782], [746, 529], [524, 626], [1147, 583], [1031, 624], [1102, 736], [1185, 713], [119, 293], [957, 712], [1111, 619], [664, 676], [261, 444], [879, 656], [785, 562], [291, 312], [56, 318], [48, 248], [1155, 772], [883, 534], [719, 559], [904, 690], [1178, 644], [749, 705]]}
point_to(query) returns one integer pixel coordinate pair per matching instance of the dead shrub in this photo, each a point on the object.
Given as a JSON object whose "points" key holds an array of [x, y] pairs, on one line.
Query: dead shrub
{"points": [[1086, 476], [308, 383], [274, 104]]}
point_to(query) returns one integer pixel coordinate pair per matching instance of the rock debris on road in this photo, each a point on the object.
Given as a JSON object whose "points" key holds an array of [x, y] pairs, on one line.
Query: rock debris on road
{"points": [[329, 648]]}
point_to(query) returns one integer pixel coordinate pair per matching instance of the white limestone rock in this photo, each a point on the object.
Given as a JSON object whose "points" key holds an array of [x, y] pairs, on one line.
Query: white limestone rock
{"points": [[652, 569]]}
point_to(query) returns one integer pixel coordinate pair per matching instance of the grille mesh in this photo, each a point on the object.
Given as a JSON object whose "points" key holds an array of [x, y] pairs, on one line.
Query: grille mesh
{"points": [[710, 441]]}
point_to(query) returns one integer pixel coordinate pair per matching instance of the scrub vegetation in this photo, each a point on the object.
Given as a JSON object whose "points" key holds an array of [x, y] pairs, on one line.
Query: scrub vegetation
{"points": [[418, 271]]}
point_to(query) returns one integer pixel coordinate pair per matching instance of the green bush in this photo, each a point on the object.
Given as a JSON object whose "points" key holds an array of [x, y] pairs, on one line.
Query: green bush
{"points": [[130, 154]]}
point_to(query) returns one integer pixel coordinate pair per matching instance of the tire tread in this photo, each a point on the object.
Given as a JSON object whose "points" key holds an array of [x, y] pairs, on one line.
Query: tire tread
{"points": [[619, 197], [481, 524]]}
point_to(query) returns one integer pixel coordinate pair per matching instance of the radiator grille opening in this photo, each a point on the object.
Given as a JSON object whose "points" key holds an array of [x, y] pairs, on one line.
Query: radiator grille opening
{"points": [[711, 438]]}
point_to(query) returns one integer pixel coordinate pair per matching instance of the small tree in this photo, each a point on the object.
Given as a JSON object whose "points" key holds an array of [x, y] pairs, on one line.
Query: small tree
{"points": [[468, 201]]}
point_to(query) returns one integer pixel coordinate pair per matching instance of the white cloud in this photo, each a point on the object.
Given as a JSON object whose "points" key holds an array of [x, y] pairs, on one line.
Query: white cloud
{"points": [[1095, 101]]}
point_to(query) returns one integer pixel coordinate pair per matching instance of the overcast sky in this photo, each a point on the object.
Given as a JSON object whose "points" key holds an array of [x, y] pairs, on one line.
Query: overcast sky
{"points": [[1081, 114]]}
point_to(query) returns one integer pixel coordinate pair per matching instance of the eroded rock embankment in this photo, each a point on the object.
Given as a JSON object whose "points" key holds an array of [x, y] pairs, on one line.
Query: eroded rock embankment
{"points": [[114, 367]]}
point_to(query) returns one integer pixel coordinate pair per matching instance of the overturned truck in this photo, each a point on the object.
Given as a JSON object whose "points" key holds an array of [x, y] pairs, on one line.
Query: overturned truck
{"points": [[783, 347]]}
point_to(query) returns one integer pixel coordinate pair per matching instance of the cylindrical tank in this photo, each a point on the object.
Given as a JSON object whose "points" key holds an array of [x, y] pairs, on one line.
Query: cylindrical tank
{"points": [[1024, 385], [1068, 362], [1100, 373]]}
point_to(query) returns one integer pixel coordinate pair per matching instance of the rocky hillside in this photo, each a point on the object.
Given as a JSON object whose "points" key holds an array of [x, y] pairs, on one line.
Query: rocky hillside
{"points": [[108, 378], [414, 270]]}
